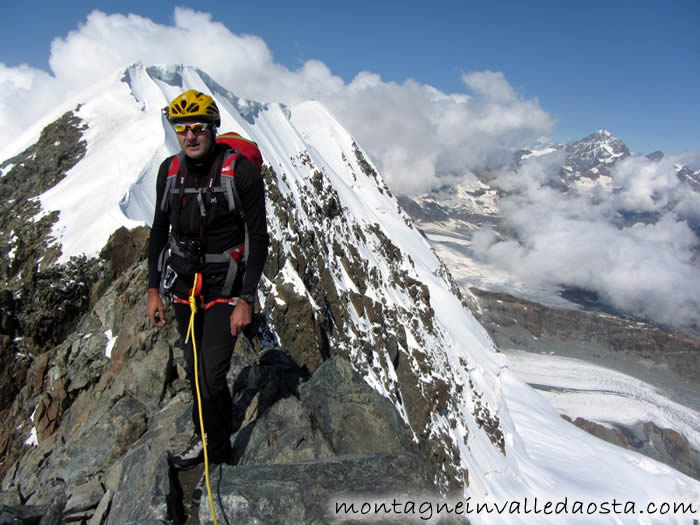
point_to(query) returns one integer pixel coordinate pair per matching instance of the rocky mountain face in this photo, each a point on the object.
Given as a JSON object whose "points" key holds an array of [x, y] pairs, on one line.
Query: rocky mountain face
{"points": [[592, 156], [23, 239], [94, 397], [692, 178], [40, 304]]}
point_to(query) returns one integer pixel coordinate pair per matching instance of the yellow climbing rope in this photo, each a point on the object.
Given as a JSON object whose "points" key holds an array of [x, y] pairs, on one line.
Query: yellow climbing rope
{"points": [[190, 332]]}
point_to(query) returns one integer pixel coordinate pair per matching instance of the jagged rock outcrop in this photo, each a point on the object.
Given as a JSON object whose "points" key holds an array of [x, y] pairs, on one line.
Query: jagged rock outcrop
{"points": [[124, 248], [25, 238], [43, 310], [314, 492], [350, 415], [49, 364], [340, 439], [108, 411]]}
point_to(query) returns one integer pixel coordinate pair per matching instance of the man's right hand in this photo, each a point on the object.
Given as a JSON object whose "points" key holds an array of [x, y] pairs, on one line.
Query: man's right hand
{"points": [[155, 309]]}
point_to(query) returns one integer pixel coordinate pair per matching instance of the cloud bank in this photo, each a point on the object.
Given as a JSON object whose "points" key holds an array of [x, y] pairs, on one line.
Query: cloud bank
{"points": [[630, 241], [417, 135]]}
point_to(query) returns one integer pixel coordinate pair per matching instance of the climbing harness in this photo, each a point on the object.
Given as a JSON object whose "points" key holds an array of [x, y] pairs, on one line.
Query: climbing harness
{"points": [[192, 252], [196, 288], [232, 256]]}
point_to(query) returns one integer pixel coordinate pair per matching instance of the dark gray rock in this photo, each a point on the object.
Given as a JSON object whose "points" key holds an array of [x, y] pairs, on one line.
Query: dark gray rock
{"points": [[50, 514], [144, 487], [306, 492], [51, 490], [71, 467], [101, 511], [54, 512], [97, 448], [351, 416], [85, 496], [10, 497], [284, 434], [148, 373], [149, 522], [21, 514]]}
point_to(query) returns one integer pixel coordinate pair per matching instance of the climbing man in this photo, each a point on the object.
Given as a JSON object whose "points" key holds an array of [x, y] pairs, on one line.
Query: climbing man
{"points": [[208, 245]]}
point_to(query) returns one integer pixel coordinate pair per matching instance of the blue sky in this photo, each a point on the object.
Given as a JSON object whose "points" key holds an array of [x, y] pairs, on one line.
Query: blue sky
{"points": [[630, 67]]}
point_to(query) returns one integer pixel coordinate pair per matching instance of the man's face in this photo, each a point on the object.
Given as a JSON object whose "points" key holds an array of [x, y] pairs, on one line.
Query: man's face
{"points": [[195, 143]]}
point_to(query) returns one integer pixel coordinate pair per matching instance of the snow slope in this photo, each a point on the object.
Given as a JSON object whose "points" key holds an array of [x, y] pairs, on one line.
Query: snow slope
{"points": [[580, 389], [545, 457]]}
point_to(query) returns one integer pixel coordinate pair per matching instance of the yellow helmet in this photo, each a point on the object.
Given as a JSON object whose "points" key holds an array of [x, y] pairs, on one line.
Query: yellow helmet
{"points": [[193, 104]]}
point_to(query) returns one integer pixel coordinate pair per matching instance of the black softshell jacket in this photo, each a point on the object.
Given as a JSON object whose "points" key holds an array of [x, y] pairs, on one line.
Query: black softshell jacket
{"points": [[222, 229]]}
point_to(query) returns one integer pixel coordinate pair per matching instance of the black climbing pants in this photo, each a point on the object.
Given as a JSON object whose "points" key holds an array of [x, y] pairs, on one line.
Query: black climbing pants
{"points": [[214, 349]]}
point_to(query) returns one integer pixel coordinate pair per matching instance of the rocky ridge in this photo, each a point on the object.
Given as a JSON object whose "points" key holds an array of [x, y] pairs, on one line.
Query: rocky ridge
{"points": [[106, 422], [103, 397], [25, 234], [518, 323]]}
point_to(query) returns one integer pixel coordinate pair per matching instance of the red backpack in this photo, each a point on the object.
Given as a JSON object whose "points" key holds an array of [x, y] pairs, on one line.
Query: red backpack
{"points": [[245, 147]]}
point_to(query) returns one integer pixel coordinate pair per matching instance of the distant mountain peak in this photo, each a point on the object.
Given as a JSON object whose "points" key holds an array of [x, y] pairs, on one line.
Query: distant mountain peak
{"points": [[601, 134], [596, 151]]}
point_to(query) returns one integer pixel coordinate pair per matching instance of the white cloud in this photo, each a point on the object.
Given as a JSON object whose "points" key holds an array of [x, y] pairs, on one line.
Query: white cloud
{"points": [[645, 186], [490, 85], [27, 93], [688, 207], [416, 134], [649, 270]]}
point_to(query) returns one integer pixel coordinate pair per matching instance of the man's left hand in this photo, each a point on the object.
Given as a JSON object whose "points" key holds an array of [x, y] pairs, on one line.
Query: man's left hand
{"points": [[241, 317]]}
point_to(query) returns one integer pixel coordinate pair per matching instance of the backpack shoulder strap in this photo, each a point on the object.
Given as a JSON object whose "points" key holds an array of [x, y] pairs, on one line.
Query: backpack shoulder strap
{"points": [[228, 173], [173, 170]]}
